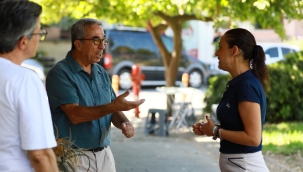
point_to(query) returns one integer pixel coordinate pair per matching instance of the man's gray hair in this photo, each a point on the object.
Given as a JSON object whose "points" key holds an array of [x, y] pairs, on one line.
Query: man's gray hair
{"points": [[18, 19], [78, 28]]}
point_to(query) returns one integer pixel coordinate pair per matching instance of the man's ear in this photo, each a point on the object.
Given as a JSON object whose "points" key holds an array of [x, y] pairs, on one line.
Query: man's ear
{"points": [[23, 42], [78, 45]]}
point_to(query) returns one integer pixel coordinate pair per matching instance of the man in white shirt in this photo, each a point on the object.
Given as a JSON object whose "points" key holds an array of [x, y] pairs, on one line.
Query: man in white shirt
{"points": [[26, 131]]}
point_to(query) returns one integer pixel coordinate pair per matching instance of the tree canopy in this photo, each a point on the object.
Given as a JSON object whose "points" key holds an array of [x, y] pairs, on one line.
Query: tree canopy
{"points": [[268, 13], [157, 15]]}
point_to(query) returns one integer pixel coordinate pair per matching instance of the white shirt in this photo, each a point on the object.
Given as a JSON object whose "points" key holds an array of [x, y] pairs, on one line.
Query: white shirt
{"points": [[25, 119]]}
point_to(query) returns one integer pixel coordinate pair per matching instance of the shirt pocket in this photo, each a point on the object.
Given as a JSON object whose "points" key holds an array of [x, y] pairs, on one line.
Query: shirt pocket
{"points": [[236, 164], [105, 93]]}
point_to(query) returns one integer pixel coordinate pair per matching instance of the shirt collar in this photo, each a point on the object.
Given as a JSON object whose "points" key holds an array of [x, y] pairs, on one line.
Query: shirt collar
{"points": [[73, 64], [75, 67], [240, 77]]}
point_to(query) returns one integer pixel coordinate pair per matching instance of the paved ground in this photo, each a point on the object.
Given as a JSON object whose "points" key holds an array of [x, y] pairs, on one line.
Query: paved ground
{"points": [[181, 151]]}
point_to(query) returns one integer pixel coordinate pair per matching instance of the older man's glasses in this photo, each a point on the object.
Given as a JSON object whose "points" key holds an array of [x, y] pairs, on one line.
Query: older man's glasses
{"points": [[97, 41], [42, 34]]}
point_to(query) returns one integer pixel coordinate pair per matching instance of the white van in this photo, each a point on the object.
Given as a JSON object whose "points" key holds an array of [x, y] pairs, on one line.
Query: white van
{"points": [[276, 51]]}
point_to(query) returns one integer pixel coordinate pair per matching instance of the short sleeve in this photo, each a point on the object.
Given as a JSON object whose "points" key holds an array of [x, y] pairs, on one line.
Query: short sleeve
{"points": [[248, 92], [60, 89], [35, 123]]}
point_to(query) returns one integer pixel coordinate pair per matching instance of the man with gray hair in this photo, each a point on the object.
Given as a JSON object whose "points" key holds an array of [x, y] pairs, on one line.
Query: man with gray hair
{"points": [[82, 100], [26, 131]]}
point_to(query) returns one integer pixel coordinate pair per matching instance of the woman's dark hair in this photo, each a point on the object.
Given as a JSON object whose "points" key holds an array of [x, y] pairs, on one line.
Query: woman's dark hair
{"points": [[246, 42]]}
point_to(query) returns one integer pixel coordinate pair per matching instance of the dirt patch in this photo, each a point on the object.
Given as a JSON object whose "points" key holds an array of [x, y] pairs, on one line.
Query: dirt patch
{"points": [[284, 163]]}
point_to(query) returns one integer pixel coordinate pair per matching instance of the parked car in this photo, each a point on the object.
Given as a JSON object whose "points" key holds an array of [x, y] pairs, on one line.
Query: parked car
{"points": [[35, 66], [128, 46], [276, 51]]}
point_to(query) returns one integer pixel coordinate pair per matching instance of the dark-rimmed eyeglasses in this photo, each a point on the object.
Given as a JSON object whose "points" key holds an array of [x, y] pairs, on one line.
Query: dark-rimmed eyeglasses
{"points": [[42, 34], [97, 41]]}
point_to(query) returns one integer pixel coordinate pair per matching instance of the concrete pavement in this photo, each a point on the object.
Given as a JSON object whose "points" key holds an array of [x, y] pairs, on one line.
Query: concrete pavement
{"points": [[181, 151]]}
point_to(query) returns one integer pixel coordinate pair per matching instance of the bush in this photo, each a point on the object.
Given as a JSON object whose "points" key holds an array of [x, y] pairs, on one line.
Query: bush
{"points": [[285, 93]]}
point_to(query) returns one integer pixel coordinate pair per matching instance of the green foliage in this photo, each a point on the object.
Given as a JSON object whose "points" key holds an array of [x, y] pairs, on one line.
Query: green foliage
{"points": [[295, 41], [269, 14], [215, 90], [283, 138], [285, 93], [65, 23], [54, 10], [136, 12], [160, 14], [39, 55], [285, 100]]}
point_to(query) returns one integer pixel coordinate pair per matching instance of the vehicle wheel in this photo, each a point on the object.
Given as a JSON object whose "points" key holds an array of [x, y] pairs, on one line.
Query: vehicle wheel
{"points": [[195, 78], [125, 79]]}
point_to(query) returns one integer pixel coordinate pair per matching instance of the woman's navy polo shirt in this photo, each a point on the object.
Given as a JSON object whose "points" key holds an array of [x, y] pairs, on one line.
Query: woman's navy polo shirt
{"points": [[68, 83], [245, 87]]}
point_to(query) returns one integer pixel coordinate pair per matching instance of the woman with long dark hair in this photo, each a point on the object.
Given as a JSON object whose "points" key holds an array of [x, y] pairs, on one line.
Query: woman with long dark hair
{"points": [[241, 111]]}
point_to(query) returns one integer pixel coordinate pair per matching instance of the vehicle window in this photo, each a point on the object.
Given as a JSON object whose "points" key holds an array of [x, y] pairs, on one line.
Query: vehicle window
{"points": [[145, 46], [285, 51], [122, 45], [168, 42], [272, 52], [132, 45]]}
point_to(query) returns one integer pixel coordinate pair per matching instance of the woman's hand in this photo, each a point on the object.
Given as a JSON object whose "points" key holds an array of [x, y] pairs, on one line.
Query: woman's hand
{"points": [[196, 128], [207, 127], [204, 128]]}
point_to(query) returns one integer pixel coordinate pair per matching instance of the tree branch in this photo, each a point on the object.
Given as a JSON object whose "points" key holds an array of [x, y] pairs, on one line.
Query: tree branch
{"points": [[217, 10], [163, 16], [187, 17], [156, 34], [181, 18], [160, 28]]}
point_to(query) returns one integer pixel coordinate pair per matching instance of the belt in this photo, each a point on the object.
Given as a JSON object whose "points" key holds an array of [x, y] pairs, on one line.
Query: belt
{"points": [[97, 149]]}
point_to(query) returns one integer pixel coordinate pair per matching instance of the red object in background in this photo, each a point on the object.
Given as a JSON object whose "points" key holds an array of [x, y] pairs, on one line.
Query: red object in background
{"points": [[193, 52], [107, 61], [137, 77]]}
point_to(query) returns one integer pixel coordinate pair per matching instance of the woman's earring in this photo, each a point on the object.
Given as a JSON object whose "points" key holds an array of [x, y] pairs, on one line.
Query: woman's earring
{"points": [[251, 64]]}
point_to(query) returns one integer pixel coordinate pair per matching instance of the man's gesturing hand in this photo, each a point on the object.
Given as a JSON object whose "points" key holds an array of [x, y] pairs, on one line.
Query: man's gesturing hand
{"points": [[128, 129], [121, 104]]}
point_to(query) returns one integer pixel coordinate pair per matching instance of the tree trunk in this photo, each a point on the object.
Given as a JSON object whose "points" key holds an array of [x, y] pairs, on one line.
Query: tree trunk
{"points": [[174, 62], [171, 60]]}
